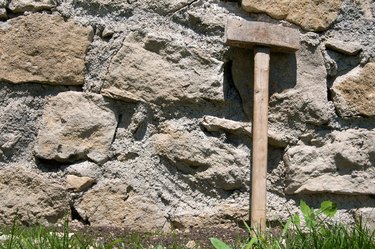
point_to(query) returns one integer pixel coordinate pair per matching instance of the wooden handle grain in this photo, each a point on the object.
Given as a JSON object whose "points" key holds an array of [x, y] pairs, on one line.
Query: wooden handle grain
{"points": [[260, 138]]}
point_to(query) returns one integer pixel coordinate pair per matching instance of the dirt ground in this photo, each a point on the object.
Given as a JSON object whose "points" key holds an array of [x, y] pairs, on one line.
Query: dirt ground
{"points": [[189, 238]]}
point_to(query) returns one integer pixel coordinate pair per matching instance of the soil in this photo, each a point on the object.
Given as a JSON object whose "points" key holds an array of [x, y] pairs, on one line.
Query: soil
{"points": [[189, 238]]}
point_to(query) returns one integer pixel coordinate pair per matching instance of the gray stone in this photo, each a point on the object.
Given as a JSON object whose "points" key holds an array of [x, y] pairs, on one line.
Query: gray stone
{"points": [[366, 215], [38, 48], [85, 168], [366, 7], [350, 48], [206, 159], [276, 137], [210, 217], [307, 101], [84, 130], [79, 183], [354, 93], [220, 124], [19, 6], [340, 164], [31, 197]]}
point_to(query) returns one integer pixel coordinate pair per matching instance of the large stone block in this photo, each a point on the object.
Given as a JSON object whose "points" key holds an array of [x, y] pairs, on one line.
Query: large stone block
{"points": [[206, 159], [30, 197], [43, 48], [18, 6], [354, 93], [310, 15], [161, 72], [76, 126], [340, 163], [116, 204]]}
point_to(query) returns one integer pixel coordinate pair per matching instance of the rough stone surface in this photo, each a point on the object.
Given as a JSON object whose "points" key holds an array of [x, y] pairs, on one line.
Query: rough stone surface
{"points": [[310, 15], [215, 124], [145, 70], [79, 183], [354, 93], [84, 169], [367, 215], [350, 48], [116, 204], [223, 166], [38, 48], [18, 6], [76, 126], [340, 163], [37, 199], [174, 141]]}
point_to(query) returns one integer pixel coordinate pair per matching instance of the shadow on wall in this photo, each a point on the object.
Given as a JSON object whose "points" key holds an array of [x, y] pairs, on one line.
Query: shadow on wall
{"points": [[239, 75]]}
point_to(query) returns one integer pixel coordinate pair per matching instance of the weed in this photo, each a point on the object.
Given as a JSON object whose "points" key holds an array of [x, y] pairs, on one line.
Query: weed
{"points": [[318, 232]]}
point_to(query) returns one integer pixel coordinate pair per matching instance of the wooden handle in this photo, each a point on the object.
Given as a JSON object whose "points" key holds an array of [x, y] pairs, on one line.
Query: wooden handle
{"points": [[260, 138]]}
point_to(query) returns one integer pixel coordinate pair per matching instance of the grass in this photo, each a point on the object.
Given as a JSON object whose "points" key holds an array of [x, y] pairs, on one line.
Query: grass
{"points": [[319, 231], [314, 229]]}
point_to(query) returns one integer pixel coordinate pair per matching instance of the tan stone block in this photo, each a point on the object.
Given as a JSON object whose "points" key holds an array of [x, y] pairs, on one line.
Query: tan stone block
{"points": [[310, 15], [76, 126], [43, 48], [17, 6], [79, 183], [354, 93], [350, 48], [137, 73]]}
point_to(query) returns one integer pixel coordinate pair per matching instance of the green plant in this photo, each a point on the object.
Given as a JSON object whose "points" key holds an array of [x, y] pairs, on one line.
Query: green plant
{"points": [[318, 231]]}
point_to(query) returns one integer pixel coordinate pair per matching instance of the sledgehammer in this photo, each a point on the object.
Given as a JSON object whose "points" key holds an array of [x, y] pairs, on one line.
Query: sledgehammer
{"points": [[263, 38]]}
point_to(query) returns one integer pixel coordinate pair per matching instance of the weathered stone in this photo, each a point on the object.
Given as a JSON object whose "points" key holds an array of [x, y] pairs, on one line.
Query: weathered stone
{"points": [[359, 184], [340, 163], [160, 72], [39, 48], [79, 183], [310, 15], [116, 204], [276, 137], [220, 124], [206, 159], [366, 215], [211, 217], [76, 126], [85, 168], [354, 93], [30, 197], [18, 6], [350, 48], [366, 7]]}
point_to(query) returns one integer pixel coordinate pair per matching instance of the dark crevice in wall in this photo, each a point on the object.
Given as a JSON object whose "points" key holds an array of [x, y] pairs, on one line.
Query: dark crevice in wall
{"points": [[182, 7], [76, 216], [119, 119]]}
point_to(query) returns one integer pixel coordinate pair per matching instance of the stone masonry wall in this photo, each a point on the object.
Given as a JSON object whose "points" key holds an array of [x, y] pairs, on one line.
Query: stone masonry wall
{"points": [[134, 113]]}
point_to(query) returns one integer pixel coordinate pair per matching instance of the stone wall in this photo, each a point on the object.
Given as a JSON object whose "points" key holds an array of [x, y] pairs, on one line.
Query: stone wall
{"points": [[134, 113]]}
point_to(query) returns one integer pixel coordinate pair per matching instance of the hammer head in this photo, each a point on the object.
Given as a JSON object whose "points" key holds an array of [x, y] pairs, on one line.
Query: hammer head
{"points": [[247, 34]]}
